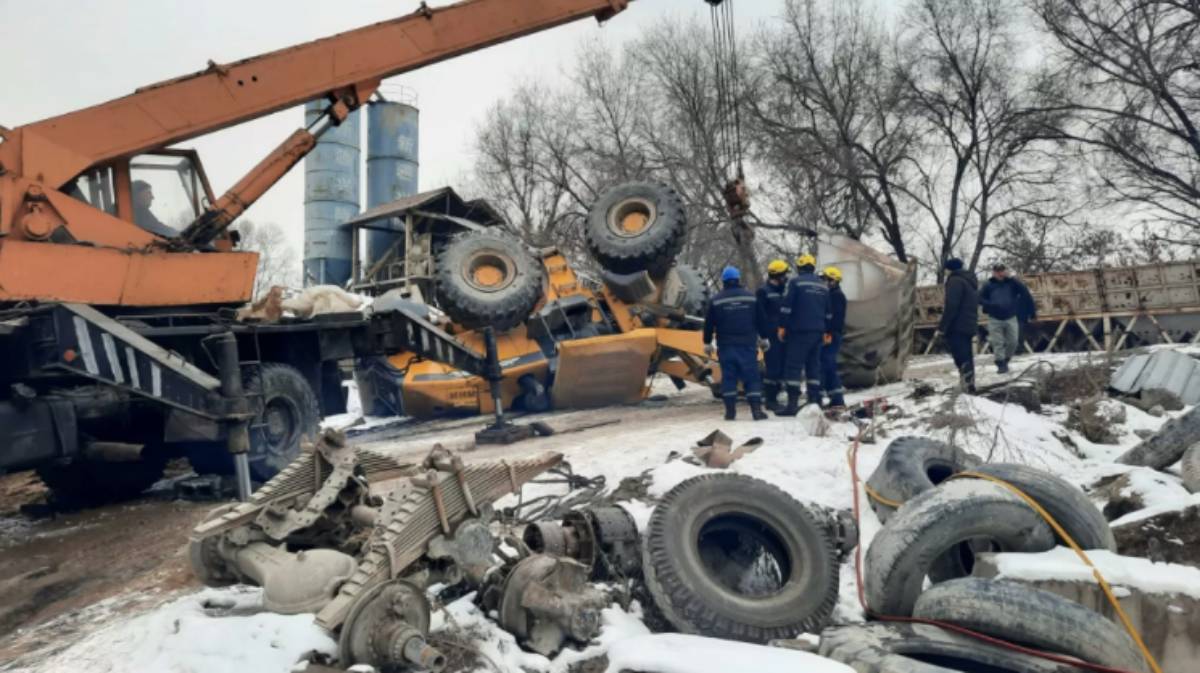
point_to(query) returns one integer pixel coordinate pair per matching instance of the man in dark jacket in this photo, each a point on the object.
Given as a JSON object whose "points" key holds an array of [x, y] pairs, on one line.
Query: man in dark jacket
{"points": [[803, 316], [1007, 303], [960, 320], [835, 326], [770, 301], [733, 317]]}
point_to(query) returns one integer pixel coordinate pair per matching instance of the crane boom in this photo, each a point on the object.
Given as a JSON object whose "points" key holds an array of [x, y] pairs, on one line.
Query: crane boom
{"points": [[59, 148]]}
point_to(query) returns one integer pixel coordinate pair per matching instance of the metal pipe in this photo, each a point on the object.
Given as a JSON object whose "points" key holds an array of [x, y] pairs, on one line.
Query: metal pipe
{"points": [[238, 417], [494, 373]]}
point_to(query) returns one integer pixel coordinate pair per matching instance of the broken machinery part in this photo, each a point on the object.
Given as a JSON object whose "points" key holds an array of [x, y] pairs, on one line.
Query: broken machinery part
{"points": [[604, 539], [386, 629], [545, 601]]}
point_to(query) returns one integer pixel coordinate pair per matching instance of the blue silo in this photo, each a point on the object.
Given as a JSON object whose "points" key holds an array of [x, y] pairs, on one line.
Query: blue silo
{"points": [[392, 160], [331, 197]]}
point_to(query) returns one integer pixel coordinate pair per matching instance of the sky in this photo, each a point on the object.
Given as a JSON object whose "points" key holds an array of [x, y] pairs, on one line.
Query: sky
{"points": [[62, 55]]}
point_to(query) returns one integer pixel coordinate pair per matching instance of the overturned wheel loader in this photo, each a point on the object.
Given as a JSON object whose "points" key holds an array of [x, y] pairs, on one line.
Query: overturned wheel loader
{"points": [[357, 537], [562, 341]]}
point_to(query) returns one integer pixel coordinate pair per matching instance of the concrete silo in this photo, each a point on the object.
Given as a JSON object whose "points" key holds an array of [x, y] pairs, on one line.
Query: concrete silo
{"points": [[392, 161], [331, 197]]}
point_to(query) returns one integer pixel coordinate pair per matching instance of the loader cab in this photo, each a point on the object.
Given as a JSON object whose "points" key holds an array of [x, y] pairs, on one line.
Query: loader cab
{"points": [[169, 186]]}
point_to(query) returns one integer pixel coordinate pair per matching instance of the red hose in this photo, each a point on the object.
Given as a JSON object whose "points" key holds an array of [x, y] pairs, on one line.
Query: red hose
{"points": [[862, 600]]}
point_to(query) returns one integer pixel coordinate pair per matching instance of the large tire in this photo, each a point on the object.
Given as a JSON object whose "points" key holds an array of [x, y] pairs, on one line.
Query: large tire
{"points": [[939, 521], [695, 532], [695, 292], [637, 226], [86, 483], [287, 413], [1191, 468], [486, 278], [918, 648], [913, 465], [1033, 617], [1163, 448], [1064, 501]]}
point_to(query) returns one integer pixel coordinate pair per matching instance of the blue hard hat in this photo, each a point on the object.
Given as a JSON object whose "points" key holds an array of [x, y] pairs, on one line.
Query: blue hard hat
{"points": [[730, 273]]}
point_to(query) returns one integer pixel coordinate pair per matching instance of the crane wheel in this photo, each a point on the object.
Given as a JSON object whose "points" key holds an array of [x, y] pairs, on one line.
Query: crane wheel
{"points": [[487, 278], [637, 226], [287, 412]]}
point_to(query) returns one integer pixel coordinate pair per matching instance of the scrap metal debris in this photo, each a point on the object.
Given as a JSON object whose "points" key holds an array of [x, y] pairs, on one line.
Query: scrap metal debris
{"points": [[716, 449]]}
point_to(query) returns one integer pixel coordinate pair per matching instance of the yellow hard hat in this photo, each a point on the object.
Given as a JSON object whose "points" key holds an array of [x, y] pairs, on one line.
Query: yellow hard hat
{"points": [[832, 273], [777, 266], [806, 260]]}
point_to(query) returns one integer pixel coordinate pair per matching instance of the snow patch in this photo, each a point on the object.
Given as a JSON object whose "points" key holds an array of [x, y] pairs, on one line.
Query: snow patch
{"points": [[679, 653], [1063, 564]]}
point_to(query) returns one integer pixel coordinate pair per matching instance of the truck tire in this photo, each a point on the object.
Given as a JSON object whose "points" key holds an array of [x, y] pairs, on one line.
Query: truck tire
{"points": [[949, 517], [1160, 450], [1023, 614], [287, 413], [729, 556], [637, 226], [919, 648], [86, 483], [1064, 501], [1191, 468], [487, 278], [695, 293], [912, 465]]}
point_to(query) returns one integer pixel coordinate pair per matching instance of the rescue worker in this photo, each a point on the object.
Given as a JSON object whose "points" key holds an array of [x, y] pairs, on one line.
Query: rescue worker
{"points": [[960, 320], [1008, 304], [770, 301], [805, 307], [835, 327], [733, 317]]}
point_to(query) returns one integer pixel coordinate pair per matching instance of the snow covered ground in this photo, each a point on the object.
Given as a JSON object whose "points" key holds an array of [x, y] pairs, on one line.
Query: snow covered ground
{"points": [[213, 631]]}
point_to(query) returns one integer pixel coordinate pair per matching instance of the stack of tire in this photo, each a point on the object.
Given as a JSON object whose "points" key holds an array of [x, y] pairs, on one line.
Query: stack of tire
{"points": [[938, 526]]}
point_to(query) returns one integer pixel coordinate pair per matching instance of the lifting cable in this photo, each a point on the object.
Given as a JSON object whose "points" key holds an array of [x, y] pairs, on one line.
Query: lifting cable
{"points": [[728, 113], [852, 456]]}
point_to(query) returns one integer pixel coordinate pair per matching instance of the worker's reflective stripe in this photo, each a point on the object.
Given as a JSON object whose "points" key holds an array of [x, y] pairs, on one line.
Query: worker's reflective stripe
{"points": [[131, 360], [753, 395], [155, 380], [770, 381], [810, 283], [732, 394], [732, 300], [814, 382], [114, 360], [84, 337], [786, 309], [793, 384], [836, 391]]}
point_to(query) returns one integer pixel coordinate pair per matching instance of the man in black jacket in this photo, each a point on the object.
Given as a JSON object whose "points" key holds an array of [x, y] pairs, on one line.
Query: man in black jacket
{"points": [[770, 300], [732, 317], [960, 320], [1007, 303], [835, 326]]}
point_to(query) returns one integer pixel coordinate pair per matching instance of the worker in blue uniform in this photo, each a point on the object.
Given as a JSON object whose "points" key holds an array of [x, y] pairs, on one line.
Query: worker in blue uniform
{"points": [[770, 301], [805, 307], [732, 317], [835, 327]]}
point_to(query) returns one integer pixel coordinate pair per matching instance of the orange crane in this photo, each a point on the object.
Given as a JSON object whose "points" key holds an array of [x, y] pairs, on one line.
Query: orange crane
{"points": [[68, 228], [116, 350]]}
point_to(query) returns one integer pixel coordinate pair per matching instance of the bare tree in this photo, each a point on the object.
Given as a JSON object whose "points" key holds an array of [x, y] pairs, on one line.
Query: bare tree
{"points": [[278, 261], [1128, 71], [829, 105]]}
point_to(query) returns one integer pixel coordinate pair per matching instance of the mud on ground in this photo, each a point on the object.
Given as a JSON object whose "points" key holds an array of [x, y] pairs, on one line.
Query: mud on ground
{"points": [[128, 557]]}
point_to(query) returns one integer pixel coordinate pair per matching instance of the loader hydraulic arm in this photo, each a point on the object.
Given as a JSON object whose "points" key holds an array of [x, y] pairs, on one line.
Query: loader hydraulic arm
{"points": [[340, 68]]}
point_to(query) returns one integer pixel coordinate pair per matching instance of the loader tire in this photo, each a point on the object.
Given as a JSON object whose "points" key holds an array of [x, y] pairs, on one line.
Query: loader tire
{"points": [[919, 648], [913, 465], [637, 226], [729, 556], [1023, 614], [1191, 468], [486, 278], [1160, 450], [286, 413], [87, 483], [695, 293], [949, 517]]}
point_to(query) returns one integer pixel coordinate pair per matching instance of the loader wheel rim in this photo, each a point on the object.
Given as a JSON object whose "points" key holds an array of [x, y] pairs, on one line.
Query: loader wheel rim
{"points": [[489, 271], [631, 217], [281, 424], [744, 554]]}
